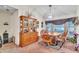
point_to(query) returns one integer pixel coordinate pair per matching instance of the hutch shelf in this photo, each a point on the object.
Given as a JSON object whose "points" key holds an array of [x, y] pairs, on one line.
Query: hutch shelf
{"points": [[28, 30]]}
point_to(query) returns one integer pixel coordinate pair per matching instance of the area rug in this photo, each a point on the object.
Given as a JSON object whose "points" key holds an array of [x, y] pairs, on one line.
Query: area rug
{"points": [[58, 46]]}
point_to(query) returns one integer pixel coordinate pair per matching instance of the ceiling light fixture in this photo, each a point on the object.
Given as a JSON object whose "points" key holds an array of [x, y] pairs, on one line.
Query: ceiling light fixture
{"points": [[50, 12]]}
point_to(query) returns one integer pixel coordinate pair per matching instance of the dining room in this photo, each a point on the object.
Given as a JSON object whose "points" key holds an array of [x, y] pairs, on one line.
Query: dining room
{"points": [[52, 30]]}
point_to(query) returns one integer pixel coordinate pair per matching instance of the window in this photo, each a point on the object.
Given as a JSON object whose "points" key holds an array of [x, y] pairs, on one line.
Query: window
{"points": [[42, 24], [37, 24], [49, 27], [70, 28], [59, 28]]}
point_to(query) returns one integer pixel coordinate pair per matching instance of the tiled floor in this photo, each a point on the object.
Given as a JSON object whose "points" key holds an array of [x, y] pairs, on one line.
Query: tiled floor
{"points": [[37, 48]]}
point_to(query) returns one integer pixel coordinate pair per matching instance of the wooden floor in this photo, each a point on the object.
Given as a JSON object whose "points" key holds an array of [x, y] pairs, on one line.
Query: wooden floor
{"points": [[36, 48]]}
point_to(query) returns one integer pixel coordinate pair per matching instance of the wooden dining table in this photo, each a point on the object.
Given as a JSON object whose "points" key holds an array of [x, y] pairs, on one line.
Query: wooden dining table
{"points": [[53, 36], [54, 33]]}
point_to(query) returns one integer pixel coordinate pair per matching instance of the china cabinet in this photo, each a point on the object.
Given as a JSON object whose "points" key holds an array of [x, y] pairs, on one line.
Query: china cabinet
{"points": [[28, 33]]}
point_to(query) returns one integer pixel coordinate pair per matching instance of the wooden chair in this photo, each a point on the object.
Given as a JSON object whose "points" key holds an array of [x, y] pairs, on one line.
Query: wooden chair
{"points": [[62, 37], [46, 39]]}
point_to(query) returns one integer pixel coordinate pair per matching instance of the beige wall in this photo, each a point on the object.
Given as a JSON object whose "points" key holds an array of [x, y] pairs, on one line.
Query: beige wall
{"points": [[4, 17], [12, 28]]}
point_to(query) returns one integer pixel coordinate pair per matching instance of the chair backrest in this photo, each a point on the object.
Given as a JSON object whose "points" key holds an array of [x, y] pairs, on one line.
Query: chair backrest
{"points": [[45, 37], [64, 36], [65, 33]]}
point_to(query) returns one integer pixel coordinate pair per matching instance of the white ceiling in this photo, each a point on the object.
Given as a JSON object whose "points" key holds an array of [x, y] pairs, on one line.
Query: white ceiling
{"points": [[43, 10], [6, 8]]}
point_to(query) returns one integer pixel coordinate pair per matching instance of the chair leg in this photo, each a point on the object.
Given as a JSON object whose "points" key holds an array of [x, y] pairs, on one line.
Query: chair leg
{"points": [[76, 48], [50, 43]]}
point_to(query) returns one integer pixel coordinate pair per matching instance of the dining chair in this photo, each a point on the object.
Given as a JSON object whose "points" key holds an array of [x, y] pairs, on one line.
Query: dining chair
{"points": [[62, 38], [46, 39]]}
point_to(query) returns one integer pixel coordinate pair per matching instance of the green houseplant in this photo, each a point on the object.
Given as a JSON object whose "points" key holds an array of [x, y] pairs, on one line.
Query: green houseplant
{"points": [[73, 40]]}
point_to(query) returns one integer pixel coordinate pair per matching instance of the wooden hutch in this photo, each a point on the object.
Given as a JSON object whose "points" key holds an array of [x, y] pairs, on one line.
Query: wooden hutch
{"points": [[28, 33]]}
